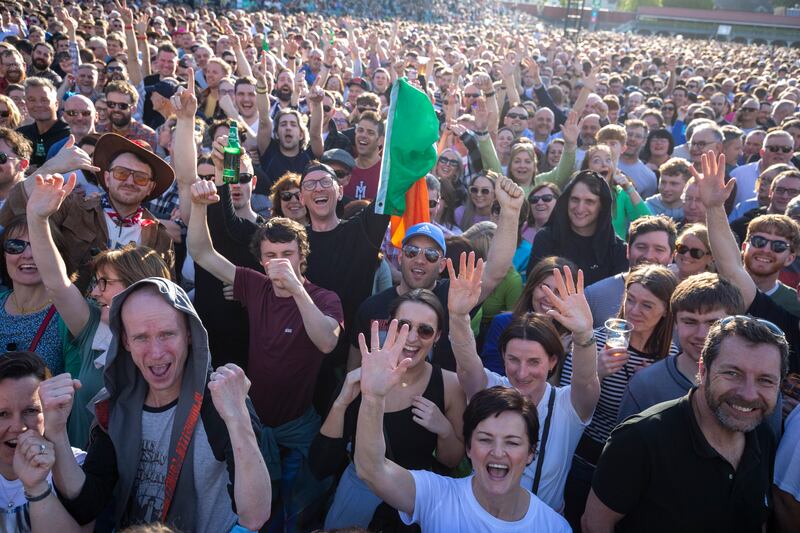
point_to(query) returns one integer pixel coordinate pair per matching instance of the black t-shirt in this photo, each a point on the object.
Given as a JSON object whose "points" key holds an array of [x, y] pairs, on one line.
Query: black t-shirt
{"points": [[659, 470], [764, 307], [150, 116], [275, 164], [226, 321], [377, 308], [42, 142]]}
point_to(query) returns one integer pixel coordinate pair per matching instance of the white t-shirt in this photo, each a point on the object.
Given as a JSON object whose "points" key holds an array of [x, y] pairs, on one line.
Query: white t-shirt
{"points": [[444, 505], [566, 428], [787, 460], [14, 516]]}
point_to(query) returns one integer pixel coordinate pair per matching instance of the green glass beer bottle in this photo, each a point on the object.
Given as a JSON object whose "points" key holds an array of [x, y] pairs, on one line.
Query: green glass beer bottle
{"points": [[231, 156]]}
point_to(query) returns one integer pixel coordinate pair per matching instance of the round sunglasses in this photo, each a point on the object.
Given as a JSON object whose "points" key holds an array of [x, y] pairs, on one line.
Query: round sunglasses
{"points": [[696, 253], [424, 331]]}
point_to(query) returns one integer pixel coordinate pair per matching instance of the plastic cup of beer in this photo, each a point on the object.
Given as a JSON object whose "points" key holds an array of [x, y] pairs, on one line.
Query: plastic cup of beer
{"points": [[618, 334]]}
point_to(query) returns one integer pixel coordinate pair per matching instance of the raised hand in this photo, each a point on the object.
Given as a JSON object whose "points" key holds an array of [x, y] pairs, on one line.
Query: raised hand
{"points": [[125, 12], [570, 307], [533, 69], [465, 288], [570, 130], [590, 80], [457, 129], [48, 194], [350, 389], [509, 195], [217, 151], [34, 457], [142, 22], [383, 367], [315, 95], [481, 114], [70, 158], [228, 386], [185, 99], [57, 395], [204, 192], [711, 183], [428, 415]]}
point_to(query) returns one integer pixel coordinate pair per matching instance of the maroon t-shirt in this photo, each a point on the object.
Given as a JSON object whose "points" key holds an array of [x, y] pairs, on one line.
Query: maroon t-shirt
{"points": [[363, 184], [283, 361]]}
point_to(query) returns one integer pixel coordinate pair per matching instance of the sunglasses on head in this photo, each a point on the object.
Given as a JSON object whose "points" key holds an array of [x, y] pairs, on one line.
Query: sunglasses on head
{"points": [[546, 198], [411, 251], [424, 331], [775, 330], [124, 106], [776, 246], [15, 246], [288, 195], [696, 253], [122, 174], [449, 162], [480, 190], [776, 149], [517, 115]]}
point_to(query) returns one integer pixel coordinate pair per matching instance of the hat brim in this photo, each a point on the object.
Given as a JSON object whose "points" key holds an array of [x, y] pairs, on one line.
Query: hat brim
{"points": [[110, 145]]}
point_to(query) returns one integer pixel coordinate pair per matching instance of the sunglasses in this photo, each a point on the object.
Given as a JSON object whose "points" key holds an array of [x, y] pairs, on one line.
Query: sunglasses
{"points": [[776, 149], [517, 115], [139, 178], [73, 113], [326, 108], [287, 196], [432, 204], [5, 114], [124, 106], [480, 190], [5, 157], [341, 174], [207, 177], [696, 253], [325, 183], [775, 330], [424, 331], [472, 95], [432, 255], [111, 70], [546, 198], [245, 177], [668, 108], [450, 162], [15, 246], [775, 245]]}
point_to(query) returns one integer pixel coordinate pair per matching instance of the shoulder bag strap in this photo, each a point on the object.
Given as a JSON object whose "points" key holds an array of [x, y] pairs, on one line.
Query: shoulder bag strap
{"points": [[42, 327], [545, 432]]}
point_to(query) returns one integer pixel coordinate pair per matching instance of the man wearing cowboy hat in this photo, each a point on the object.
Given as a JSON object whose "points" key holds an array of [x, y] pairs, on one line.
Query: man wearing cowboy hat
{"points": [[130, 173]]}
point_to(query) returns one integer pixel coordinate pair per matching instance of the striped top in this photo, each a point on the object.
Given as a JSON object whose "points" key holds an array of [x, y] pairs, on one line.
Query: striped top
{"points": [[611, 388]]}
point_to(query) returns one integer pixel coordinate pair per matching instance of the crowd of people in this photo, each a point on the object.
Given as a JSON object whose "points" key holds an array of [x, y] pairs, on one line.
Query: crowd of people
{"points": [[190, 346]]}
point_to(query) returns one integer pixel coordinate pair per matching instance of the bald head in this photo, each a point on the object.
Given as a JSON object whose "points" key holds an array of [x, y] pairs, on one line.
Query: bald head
{"points": [[80, 114]]}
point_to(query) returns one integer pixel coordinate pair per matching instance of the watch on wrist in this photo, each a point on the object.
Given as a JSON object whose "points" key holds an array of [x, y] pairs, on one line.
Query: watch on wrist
{"points": [[586, 344]]}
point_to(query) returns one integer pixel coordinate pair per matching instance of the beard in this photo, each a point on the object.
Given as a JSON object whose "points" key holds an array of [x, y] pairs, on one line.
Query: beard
{"points": [[40, 64], [284, 93], [119, 121], [731, 422], [13, 76]]}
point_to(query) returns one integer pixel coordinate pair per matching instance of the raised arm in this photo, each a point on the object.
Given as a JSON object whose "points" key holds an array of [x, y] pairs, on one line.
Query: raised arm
{"points": [[46, 198], [463, 296], [184, 158], [381, 370], [134, 68], [507, 70], [264, 137], [314, 99], [572, 310], [252, 491], [504, 244], [713, 193], [198, 239]]}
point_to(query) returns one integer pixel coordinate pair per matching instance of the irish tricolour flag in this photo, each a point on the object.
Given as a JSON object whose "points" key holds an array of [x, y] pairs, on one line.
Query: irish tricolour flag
{"points": [[408, 155]]}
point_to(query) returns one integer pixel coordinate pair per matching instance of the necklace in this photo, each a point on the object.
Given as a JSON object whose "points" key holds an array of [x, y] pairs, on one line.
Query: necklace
{"points": [[22, 310], [10, 499]]}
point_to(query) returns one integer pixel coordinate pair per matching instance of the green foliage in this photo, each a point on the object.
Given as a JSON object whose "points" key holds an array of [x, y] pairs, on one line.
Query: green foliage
{"points": [[691, 4], [632, 5]]}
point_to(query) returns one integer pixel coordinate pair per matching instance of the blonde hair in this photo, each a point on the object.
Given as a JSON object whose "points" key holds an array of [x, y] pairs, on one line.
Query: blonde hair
{"points": [[132, 263]]}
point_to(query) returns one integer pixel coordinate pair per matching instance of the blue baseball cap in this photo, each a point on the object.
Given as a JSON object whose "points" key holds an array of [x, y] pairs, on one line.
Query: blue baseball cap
{"points": [[429, 230]]}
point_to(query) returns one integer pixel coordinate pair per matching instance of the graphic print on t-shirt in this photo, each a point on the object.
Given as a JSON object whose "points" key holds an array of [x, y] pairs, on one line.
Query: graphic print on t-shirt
{"points": [[150, 475]]}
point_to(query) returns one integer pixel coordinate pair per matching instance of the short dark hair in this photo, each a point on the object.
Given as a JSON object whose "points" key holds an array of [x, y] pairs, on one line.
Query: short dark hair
{"points": [[19, 364], [649, 224], [751, 330], [494, 401], [280, 229], [375, 119], [422, 296], [705, 292]]}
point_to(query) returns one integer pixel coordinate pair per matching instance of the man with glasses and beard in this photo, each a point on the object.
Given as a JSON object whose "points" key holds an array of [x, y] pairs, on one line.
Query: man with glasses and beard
{"points": [[130, 174], [121, 99], [41, 59], [778, 148], [422, 260], [47, 129], [14, 66]]}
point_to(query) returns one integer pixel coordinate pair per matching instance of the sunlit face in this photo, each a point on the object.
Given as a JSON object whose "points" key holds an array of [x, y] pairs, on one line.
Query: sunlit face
{"points": [[522, 167], [692, 329], [127, 193], [481, 193], [540, 302], [765, 262], [686, 263], [504, 140], [601, 161], [783, 190], [22, 267], [528, 366], [583, 209], [420, 319], [41, 103], [418, 272], [777, 149], [113, 286], [20, 411], [693, 209], [643, 309], [368, 138], [289, 132], [671, 187], [281, 250], [499, 451], [554, 152], [659, 146], [320, 201], [293, 208], [651, 247], [741, 387]]}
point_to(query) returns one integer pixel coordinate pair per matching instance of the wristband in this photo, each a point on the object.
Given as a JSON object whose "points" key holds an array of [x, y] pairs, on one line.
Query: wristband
{"points": [[481, 133], [141, 37], [41, 496], [327, 66], [490, 94], [261, 91], [128, 27], [586, 344], [291, 57]]}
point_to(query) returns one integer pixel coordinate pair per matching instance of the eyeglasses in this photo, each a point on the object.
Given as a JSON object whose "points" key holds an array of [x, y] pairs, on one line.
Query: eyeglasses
{"points": [[325, 183], [775, 149], [775, 330], [432, 255], [667, 108], [546, 198], [139, 178], [696, 253], [472, 95], [749, 110], [424, 331], [783, 191], [450, 162], [5, 157], [287, 195], [102, 284], [432, 204], [480, 190], [73, 113], [207, 177], [123, 106], [341, 174], [776, 246], [517, 115], [699, 144], [15, 246]]}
